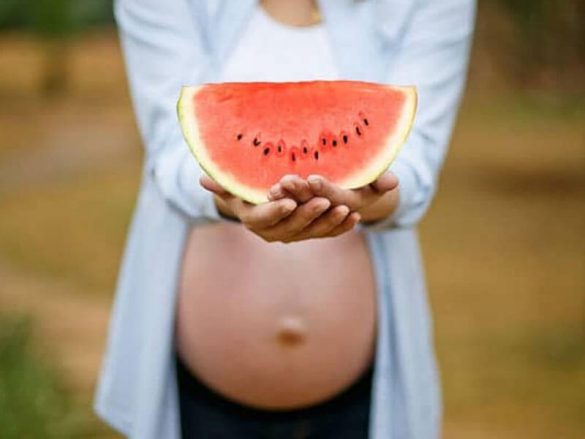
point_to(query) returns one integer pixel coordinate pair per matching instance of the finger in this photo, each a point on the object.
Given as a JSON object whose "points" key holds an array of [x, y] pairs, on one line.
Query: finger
{"points": [[212, 186], [321, 187], [323, 225], [350, 222], [386, 182], [297, 187], [267, 214], [303, 215], [277, 192]]}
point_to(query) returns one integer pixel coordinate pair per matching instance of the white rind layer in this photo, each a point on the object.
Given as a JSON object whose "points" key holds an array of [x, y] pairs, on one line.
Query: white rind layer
{"points": [[188, 119], [392, 145], [362, 177]]}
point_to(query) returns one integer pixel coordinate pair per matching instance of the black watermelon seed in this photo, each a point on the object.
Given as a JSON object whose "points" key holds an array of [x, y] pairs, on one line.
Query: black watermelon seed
{"points": [[366, 123], [334, 143], [256, 142], [358, 131], [316, 155], [345, 139], [305, 150], [280, 147], [239, 136], [324, 141], [266, 151], [293, 157]]}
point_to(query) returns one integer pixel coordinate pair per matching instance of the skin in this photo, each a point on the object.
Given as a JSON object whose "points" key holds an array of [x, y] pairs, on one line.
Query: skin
{"points": [[301, 209], [296, 321], [314, 208], [293, 12]]}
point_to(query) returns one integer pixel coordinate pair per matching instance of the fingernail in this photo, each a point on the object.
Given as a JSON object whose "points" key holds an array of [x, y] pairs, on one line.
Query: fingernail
{"points": [[323, 206], [315, 181], [342, 210], [288, 207]]}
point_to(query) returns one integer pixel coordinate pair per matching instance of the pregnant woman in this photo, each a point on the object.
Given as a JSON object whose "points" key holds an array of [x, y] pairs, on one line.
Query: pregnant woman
{"points": [[241, 321]]}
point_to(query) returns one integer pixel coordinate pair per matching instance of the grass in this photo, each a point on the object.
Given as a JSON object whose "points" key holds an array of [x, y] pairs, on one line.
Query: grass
{"points": [[503, 241], [33, 400], [69, 167], [504, 249], [71, 229]]}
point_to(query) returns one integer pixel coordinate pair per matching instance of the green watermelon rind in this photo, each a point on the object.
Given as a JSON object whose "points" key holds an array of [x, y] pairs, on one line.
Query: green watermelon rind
{"points": [[361, 178]]}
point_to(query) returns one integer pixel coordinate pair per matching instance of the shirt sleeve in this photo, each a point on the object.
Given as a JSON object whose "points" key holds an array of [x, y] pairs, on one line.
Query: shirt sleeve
{"points": [[164, 49], [433, 55]]}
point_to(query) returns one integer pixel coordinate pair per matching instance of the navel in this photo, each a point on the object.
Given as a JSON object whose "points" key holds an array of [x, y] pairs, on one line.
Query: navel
{"points": [[291, 331]]}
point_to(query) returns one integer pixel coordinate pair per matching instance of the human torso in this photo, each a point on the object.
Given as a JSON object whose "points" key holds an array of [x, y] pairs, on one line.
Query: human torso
{"points": [[276, 325]]}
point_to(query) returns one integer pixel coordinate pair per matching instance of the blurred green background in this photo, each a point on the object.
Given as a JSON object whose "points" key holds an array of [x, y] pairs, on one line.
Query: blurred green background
{"points": [[504, 241]]}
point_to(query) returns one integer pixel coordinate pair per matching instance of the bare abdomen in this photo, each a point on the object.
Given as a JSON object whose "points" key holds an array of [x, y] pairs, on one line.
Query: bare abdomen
{"points": [[271, 325]]}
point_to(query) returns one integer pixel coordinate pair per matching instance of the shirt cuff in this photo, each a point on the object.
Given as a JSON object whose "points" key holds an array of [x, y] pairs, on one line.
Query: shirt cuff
{"points": [[177, 175], [403, 215]]}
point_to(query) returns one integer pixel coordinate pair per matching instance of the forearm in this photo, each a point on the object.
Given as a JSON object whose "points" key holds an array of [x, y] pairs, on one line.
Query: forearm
{"points": [[382, 208], [164, 49]]}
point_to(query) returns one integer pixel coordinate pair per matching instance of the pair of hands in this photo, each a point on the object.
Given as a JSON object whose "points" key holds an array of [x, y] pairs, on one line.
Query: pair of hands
{"points": [[301, 209]]}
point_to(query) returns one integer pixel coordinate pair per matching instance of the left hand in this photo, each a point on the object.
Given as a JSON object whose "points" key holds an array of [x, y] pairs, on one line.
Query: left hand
{"points": [[284, 220], [292, 186]]}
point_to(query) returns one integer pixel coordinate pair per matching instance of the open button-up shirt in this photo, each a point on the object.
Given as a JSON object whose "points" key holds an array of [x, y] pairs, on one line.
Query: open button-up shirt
{"points": [[170, 43]]}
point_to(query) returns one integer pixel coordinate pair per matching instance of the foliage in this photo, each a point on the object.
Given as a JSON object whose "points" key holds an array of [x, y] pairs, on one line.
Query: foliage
{"points": [[12, 14], [54, 17], [550, 35], [32, 401]]}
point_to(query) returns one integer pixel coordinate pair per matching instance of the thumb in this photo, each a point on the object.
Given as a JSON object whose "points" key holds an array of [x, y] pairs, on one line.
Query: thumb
{"points": [[385, 183], [210, 185]]}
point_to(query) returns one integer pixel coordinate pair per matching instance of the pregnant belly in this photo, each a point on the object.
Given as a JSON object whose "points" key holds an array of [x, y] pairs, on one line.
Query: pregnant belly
{"points": [[275, 326]]}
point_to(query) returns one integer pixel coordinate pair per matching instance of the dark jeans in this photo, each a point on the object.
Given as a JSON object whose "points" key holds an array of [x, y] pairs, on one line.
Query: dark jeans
{"points": [[207, 415]]}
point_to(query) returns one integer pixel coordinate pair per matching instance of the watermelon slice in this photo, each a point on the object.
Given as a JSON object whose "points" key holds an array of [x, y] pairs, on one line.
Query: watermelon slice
{"points": [[246, 136]]}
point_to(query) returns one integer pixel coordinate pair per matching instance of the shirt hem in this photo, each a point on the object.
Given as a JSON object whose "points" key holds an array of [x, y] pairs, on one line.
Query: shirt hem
{"points": [[114, 418]]}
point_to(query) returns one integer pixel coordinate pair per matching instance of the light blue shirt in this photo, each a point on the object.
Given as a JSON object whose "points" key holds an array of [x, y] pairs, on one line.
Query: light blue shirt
{"points": [[170, 43]]}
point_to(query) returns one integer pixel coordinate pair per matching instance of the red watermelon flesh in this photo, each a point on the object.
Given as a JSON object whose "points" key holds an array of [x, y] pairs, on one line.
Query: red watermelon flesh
{"points": [[247, 136]]}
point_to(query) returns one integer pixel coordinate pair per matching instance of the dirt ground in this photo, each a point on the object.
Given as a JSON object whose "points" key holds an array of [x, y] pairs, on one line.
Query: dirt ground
{"points": [[503, 241]]}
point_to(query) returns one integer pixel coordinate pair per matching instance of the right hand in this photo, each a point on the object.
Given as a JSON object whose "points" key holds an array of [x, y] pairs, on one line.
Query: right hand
{"points": [[284, 220]]}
